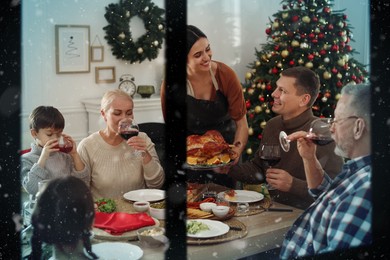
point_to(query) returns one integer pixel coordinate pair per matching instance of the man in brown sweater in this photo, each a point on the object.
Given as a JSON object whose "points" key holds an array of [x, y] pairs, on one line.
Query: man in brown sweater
{"points": [[295, 93]]}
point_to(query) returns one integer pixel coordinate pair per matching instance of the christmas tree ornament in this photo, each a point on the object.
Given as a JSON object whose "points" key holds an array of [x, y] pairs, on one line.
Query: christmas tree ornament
{"points": [[309, 65], [284, 53], [295, 43], [263, 124], [267, 111], [275, 25], [304, 45], [300, 61], [339, 76], [249, 151], [306, 19], [326, 60], [341, 62], [258, 109], [326, 75], [338, 96], [284, 15], [258, 63], [248, 75], [250, 131]]}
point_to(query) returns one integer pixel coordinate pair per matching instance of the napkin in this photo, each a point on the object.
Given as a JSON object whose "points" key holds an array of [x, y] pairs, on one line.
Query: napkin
{"points": [[119, 222]]}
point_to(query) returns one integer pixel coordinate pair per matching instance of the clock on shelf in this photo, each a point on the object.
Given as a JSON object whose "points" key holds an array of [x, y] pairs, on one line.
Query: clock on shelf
{"points": [[126, 83]]}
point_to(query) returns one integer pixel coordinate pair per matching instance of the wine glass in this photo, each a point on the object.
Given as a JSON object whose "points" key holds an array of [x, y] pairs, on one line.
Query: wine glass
{"points": [[127, 128], [271, 154], [319, 131], [65, 145]]}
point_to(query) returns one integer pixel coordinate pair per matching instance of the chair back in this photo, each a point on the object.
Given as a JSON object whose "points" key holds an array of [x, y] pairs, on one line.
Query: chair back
{"points": [[156, 132]]}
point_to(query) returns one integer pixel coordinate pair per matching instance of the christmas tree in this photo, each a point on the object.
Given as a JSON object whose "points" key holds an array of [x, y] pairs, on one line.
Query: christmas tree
{"points": [[305, 33]]}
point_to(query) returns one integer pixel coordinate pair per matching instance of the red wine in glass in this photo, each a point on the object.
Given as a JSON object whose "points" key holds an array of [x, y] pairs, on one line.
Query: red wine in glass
{"points": [[128, 134], [271, 161], [64, 145], [321, 140]]}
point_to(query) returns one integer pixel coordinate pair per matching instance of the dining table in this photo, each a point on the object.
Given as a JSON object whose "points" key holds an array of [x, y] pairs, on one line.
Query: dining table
{"points": [[262, 227]]}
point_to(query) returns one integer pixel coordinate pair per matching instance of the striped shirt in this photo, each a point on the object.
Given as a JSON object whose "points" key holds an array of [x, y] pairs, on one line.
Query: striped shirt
{"points": [[341, 216]]}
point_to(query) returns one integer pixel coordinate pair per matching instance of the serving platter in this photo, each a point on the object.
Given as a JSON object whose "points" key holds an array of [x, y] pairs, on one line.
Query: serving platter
{"points": [[150, 195], [204, 167], [244, 196], [216, 228]]}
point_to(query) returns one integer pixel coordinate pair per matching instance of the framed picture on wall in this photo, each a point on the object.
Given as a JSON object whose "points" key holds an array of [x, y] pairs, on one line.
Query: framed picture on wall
{"points": [[72, 49], [105, 74], [97, 53]]}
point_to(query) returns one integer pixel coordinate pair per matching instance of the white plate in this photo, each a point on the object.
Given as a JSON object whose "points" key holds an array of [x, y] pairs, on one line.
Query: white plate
{"points": [[129, 235], [243, 196], [216, 228], [117, 250], [145, 195]]}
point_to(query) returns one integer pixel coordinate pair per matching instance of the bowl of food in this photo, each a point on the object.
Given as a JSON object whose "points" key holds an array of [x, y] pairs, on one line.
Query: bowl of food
{"points": [[152, 236], [207, 206], [157, 210], [141, 206], [220, 211]]}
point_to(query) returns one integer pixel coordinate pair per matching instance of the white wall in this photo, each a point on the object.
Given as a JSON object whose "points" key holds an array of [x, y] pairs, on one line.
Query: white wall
{"points": [[40, 83], [234, 27]]}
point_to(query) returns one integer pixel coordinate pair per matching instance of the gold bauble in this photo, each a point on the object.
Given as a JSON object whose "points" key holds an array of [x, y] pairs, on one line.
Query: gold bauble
{"points": [[338, 96], [263, 124], [258, 63], [327, 75], [284, 53], [250, 131], [284, 15], [258, 109], [295, 43], [249, 151], [275, 25], [263, 86], [309, 65], [279, 65], [248, 75], [300, 61], [339, 76], [341, 62], [306, 19], [267, 111]]}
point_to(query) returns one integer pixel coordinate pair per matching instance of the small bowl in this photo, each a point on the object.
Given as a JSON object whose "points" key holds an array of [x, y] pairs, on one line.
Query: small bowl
{"points": [[207, 206], [152, 236], [157, 210], [221, 211], [141, 206]]}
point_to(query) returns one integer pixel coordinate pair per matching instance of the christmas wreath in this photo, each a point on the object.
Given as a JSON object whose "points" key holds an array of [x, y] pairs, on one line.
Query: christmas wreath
{"points": [[118, 32]]}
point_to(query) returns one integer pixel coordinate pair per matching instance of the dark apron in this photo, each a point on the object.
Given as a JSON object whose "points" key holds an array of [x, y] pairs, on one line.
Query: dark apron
{"points": [[204, 115]]}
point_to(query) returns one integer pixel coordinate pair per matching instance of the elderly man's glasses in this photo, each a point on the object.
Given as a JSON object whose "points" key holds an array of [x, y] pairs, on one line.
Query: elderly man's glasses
{"points": [[336, 121]]}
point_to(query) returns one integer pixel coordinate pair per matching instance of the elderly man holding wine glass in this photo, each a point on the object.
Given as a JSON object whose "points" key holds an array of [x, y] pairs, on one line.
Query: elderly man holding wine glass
{"points": [[296, 90], [341, 216], [121, 157]]}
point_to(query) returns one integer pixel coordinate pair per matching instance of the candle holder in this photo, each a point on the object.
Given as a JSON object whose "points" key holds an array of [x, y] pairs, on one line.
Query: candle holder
{"points": [[145, 90]]}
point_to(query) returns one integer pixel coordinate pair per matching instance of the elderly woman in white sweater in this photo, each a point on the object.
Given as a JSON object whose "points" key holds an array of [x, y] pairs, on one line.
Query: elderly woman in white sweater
{"points": [[114, 168]]}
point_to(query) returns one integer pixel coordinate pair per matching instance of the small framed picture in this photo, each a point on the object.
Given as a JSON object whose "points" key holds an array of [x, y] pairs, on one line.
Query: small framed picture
{"points": [[97, 53], [105, 74], [72, 48]]}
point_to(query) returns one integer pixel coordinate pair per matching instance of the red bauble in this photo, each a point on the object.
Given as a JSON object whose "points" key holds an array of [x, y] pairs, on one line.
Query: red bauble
{"points": [[274, 70], [276, 47], [339, 84], [303, 36], [290, 34], [321, 35], [348, 48], [260, 136], [334, 71], [251, 115], [342, 44], [312, 35], [330, 26], [248, 104], [345, 17], [261, 99], [295, 18], [326, 10], [268, 87], [268, 31], [292, 63], [310, 56], [315, 41], [353, 77], [335, 48], [314, 19], [322, 52]]}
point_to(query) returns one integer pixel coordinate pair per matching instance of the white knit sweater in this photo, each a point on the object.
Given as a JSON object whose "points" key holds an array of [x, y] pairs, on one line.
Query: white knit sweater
{"points": [[115, 170]]}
